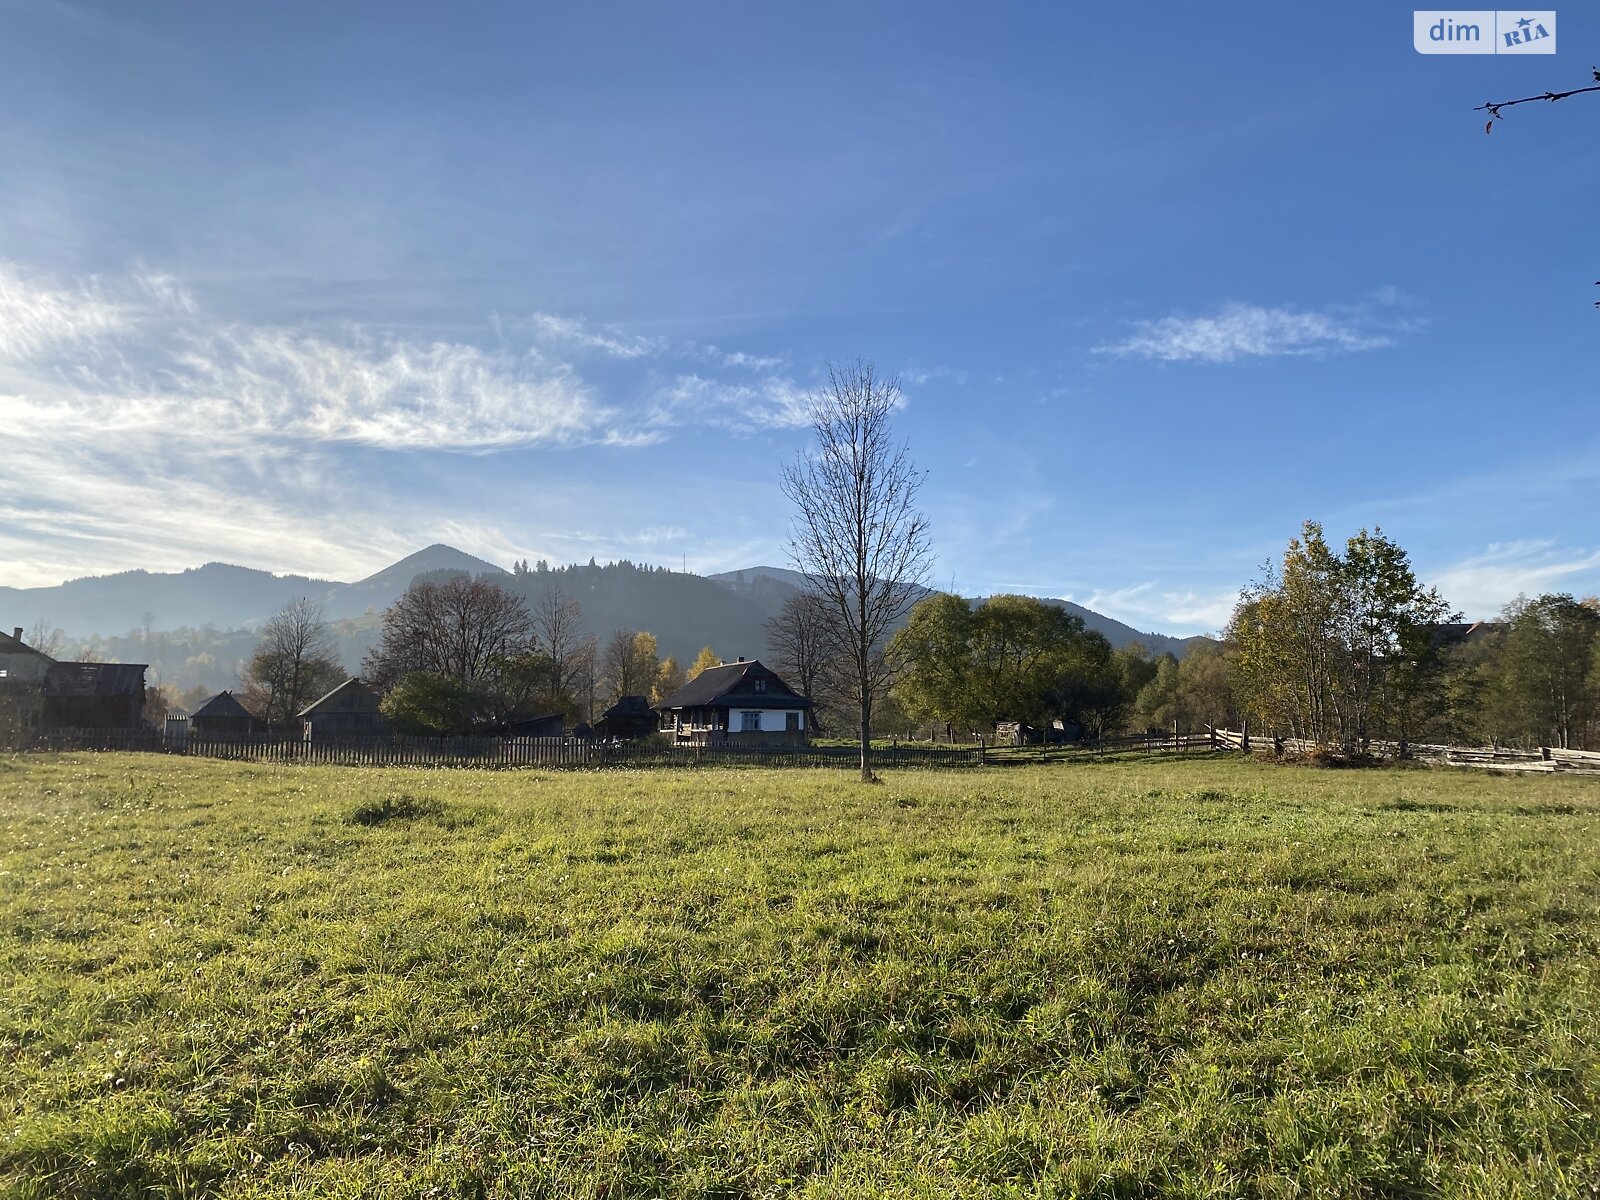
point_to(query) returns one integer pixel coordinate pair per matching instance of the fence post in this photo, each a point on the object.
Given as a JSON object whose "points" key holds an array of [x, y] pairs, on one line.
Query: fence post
{"points": [[1244, 743], [983, 749]]}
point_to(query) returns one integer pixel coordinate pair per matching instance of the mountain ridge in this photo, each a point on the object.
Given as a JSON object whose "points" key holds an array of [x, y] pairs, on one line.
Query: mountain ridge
{"points": [[196, 627]]}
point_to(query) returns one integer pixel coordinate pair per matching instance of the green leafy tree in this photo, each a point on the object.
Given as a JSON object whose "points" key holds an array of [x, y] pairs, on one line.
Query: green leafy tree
{"points": [[1337, 648], [1544, 692], [1160, 701], [1137, 666], [431, 705], [934, 650], [1089, 691], [1008, 658], [1205, 686]]}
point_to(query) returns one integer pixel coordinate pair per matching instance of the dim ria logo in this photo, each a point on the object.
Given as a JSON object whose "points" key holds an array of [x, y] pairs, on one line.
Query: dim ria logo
{"points": [[1484, 31]]}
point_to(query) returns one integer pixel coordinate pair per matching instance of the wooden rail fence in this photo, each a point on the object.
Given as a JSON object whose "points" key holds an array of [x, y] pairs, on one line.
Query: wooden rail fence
{"points": [[1492, 758]]}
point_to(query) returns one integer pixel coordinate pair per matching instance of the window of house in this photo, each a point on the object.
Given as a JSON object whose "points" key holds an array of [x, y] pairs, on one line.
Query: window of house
{"points": [[791, 722], [750, 722], [761, 685]]}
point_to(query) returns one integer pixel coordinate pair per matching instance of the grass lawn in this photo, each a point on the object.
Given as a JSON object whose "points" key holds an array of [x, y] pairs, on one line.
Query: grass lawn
{"points": [[1203, 978]]}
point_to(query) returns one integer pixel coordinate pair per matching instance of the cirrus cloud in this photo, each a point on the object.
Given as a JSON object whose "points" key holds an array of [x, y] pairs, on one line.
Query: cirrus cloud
{"points": [[1256, 331]]}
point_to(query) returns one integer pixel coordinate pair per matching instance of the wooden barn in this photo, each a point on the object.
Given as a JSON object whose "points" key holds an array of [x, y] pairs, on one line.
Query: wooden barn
{"points": [[222, 716], [350, 710], [81, 695]]}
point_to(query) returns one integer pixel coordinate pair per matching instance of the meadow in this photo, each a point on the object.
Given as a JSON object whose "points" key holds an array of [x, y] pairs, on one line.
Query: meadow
{"points": [[1206, 978]]}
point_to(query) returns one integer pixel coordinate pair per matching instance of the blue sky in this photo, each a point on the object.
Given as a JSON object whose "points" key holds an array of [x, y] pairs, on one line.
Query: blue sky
{"points": [[307, 287]]}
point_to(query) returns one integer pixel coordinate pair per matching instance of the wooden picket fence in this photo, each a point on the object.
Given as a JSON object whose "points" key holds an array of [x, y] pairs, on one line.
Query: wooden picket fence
{"points": [[554, 752], [1490, 758]]}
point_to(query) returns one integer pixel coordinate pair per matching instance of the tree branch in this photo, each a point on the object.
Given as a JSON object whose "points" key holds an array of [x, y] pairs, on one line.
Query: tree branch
{"points": [[1493, 108]]}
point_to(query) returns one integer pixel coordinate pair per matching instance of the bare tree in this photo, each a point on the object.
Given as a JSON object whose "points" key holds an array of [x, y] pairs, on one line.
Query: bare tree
{"points": [[803, 649], [857, 533], [629, 665], [294, 663], [48, 640], [557, 633], [462, 629]]}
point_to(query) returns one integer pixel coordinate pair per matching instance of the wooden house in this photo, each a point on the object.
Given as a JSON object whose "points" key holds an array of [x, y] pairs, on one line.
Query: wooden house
{"points": [[222, 716], [79, 695], [350, 710], [742, 702]]}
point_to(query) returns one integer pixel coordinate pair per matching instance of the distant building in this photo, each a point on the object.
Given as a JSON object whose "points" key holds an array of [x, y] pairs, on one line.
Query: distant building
{"points": [[740, 702], [22, 672], [537, 727], [628, 720], [79, 695], [350, 710], [1462, 633], [222, 716]]}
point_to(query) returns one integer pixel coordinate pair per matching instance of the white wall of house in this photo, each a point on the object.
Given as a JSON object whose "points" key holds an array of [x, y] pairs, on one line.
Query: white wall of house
{"points": [[773, 720]]}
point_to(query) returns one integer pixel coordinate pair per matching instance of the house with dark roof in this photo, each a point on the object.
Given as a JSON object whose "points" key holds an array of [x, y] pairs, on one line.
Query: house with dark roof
{"points": [[36, 691], [350, 710], [742, 703], [222, 716], [1462, 633], [80, 695]]}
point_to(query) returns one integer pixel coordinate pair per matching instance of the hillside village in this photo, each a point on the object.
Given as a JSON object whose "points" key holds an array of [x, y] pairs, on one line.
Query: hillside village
{"points": [[196, 629], [622, 652]]}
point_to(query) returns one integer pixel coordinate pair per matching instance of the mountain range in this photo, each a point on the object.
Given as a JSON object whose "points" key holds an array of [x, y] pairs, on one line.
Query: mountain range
{"points": [[195, 627]]}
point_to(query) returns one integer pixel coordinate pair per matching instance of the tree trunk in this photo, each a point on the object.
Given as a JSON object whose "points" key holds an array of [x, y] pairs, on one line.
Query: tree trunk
{"points": [[866, 736]]}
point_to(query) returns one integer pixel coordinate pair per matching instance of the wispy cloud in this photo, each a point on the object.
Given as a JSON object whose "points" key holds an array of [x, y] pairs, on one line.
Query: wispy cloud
{"points": [[140, 356], [37, 317], [1254, 331], [918, 376], [608, 340], [1149, 606], [772, 403], [144, 431], [1482, 584], [738, 358]]}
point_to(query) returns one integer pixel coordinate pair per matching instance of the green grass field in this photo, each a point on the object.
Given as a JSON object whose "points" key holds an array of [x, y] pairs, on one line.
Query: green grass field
{"points": [[1203, 978]]}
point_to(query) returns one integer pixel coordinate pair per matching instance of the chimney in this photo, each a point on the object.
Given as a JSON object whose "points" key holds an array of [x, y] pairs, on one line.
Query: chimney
{"points": [[16, 634], [741, 657]]}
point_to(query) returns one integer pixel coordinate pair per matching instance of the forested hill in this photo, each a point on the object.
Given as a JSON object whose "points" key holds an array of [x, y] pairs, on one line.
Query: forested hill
{"points": [[219, 594], [194, 627]]}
